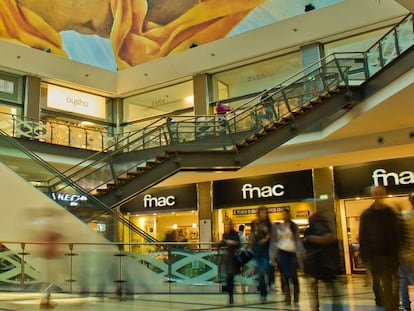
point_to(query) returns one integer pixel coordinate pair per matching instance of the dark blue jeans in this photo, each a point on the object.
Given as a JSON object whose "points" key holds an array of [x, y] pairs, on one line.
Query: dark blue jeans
{"points": [[262, 260], [406, 278], [288, 269]]}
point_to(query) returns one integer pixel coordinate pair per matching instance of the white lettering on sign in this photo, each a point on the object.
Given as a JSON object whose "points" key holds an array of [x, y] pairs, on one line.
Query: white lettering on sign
{"points": [[76, 102], [150, 201], [250, 192], [67, 197], [381, 177]]}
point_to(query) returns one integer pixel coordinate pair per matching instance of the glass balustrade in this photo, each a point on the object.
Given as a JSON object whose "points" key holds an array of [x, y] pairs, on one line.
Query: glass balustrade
{"points": [[111, 268], [73, 197]]}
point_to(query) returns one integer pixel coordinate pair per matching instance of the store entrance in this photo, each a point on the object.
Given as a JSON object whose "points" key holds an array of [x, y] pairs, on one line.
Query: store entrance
{"points": [[353, 211]]}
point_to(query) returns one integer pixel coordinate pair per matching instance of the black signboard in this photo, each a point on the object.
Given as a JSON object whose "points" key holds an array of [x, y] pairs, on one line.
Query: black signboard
{"points": [[166, 199], [276, 188], [395, 175]]}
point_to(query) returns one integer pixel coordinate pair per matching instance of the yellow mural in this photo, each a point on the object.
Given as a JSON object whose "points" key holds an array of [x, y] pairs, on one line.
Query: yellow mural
{"points": [[139, 30]]}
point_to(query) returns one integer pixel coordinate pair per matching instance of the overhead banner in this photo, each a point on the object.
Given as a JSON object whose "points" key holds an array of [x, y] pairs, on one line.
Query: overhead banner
{"points": [[395, 175], [285, 187], [167, 199]]}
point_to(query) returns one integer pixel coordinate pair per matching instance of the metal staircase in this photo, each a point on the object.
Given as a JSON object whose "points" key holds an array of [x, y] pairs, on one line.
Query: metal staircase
{"points": [[308, 100], [311, 98]]}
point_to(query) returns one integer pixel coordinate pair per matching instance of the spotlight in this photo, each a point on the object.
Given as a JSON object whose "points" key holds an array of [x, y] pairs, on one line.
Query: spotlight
{"points": [[309, 7], [193, 45]]}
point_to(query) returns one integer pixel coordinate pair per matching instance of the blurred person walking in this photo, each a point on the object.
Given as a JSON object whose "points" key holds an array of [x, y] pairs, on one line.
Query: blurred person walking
{"points": [[322, 260], [287, 250], [407, 256], [380, 244], [232, 241], [262, 228]]}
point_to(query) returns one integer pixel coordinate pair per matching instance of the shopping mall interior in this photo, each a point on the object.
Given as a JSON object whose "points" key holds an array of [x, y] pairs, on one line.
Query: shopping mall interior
{"points": [[111, 139]]}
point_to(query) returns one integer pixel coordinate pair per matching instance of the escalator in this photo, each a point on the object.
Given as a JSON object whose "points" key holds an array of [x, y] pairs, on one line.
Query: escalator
{"points": [[309, 100], [74, 199]]}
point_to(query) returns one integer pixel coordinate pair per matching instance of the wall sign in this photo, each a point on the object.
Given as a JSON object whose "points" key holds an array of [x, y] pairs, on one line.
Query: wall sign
{"points": [[285, 187], [255, 211], [165, 199], [396, 175], [77, 102]]}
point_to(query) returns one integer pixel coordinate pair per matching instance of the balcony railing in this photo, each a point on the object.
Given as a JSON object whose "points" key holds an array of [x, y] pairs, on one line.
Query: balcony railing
{"points": [[116, 268]]}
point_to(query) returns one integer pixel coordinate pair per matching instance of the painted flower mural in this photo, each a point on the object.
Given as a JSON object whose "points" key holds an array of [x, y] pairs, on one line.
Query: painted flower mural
{"points": [[118, 34]]}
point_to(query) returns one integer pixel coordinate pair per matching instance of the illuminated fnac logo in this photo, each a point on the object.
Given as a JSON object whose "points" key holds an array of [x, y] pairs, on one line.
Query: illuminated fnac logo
{"points": [[150, 201], [381, 177], [251, 192]]}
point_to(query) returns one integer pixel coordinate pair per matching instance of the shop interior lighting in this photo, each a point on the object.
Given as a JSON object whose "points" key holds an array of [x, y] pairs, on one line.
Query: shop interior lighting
{"points": [[189, 99]]}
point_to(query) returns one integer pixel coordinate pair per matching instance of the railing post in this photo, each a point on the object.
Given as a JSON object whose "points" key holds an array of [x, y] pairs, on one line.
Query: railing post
{"points": [[22, 265], [69, 137], [120, 280], [86, 138], [71, 280]]}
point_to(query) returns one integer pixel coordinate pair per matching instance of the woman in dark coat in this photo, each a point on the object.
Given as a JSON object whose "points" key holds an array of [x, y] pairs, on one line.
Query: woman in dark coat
{"points": [[231, 240]]}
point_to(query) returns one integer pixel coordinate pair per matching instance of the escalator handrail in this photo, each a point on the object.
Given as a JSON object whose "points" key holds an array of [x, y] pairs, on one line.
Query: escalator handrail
{"points": [[53, 170]]}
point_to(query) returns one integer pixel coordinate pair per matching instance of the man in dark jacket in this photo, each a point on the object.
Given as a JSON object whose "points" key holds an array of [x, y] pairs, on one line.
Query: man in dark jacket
{"points": [[380, 240]]}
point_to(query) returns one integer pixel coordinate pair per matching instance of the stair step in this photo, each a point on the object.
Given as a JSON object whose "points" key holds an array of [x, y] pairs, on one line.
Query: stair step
{"points": [[242, 144], [316, 100], [111, 186], [123, 180], [133, 174], [102, 191], [141, 169], [335, 89], [251, 139], [262, 132], [150, 164]]}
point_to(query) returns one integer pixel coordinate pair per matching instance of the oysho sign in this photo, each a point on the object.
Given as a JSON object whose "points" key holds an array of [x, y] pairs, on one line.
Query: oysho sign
{"points": [[74, 101]]}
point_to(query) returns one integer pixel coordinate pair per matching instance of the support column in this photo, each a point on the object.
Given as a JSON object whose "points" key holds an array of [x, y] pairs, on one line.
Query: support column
{"points": [[205, 214], [311, 53], [324, 190], [117, 113], [201, 92], [32, 98]]}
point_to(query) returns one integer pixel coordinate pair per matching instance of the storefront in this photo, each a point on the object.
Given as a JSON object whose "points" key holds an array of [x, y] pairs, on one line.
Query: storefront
{"points": [[240, 198], [352, 185], [168, 213], [11, 100], [74, 118]]}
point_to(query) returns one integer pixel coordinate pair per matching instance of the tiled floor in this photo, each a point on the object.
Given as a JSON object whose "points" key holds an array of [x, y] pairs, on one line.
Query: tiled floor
{"points": [[356, 295]]}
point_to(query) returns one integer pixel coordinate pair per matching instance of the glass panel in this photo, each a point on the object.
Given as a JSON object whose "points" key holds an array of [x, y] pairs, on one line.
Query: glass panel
{"points": [[388, 48], [160, 102], [373, 60], [255, 77], [70, 196], [405, 34], [355, 43], [108, 268]]}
